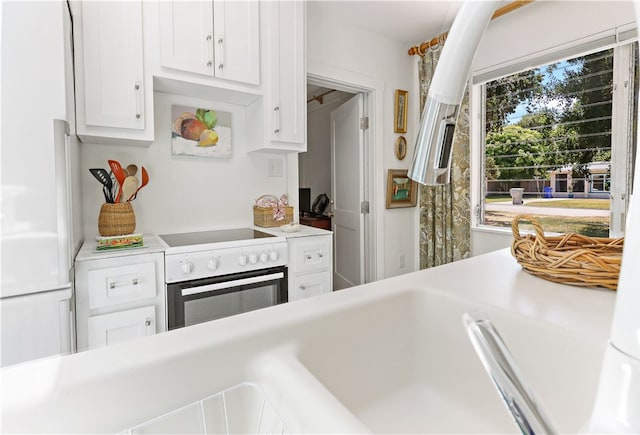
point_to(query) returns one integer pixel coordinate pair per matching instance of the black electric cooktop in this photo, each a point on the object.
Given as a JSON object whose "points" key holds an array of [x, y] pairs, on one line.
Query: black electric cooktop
{"points": [[218, 236]]}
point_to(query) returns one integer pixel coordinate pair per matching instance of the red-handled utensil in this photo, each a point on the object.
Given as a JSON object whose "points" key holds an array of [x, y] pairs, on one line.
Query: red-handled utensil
{"points": [[145, 180], [117, 170]]}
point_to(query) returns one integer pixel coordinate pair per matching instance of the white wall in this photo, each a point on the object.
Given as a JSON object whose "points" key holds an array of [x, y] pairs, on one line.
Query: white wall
{"points": [[519, 37], [349, 54], [185, 193], [315, 165]]}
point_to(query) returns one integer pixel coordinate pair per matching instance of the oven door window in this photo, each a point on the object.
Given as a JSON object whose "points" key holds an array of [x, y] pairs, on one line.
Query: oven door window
{"points": [[199, 301]]}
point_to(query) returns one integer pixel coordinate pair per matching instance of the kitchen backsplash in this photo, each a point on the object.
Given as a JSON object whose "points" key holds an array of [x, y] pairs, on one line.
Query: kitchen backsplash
{"points": [[185, 193]]}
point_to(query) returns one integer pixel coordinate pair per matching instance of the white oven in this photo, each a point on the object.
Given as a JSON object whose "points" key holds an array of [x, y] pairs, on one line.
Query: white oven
{"points": [[215, 274]]}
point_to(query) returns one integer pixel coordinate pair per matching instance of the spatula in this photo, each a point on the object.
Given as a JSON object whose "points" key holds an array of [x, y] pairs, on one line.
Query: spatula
{"points": [[145, 180], [120, 176]]}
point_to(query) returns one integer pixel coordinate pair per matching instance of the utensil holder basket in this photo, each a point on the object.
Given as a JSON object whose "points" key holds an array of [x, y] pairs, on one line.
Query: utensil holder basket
{"points": [[569, 258], [116, 219]]}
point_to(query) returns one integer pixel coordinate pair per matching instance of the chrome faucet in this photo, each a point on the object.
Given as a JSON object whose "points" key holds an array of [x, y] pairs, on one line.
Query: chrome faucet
{"points": [[501, 368]]}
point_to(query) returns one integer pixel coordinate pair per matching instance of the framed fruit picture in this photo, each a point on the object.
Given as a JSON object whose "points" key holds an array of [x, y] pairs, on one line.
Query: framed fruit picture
{"points": [[200, 132]]}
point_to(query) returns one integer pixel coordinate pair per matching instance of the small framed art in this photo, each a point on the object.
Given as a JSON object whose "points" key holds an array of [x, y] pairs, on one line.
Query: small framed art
{"points": [[400, 112], [401, 190]]}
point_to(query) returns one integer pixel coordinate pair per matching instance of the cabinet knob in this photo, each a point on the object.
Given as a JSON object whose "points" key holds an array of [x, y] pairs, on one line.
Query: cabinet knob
{"points": [[320, 254], [302, 287], [147, 322], [308, 257], [112, 285], [209, 36], [135, 281], [209, 63]]}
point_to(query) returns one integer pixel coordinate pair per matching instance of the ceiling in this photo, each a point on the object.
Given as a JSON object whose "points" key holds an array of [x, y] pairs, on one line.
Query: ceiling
{"points": [[404, 21], [407, 21]]}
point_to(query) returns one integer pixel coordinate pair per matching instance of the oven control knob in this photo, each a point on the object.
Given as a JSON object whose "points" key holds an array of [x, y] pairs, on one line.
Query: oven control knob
{"points": [[253, 258], [186, 267], [264, 257], [213, 264], [242, 260], [273, 256]]}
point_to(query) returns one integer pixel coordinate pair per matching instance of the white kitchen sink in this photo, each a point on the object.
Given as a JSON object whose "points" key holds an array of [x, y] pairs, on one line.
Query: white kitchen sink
{"points": [[404, 364], [394, 361]]}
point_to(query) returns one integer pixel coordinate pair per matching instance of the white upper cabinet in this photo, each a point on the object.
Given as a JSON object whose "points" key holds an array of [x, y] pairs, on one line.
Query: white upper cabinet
{"points": [[219, 38], [113, 93], [283, 110], [288, 77]]}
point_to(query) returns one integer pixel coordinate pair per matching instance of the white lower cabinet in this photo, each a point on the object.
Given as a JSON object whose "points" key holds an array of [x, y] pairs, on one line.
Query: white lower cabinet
{"points": [[310, 266], [313, 284], [119, 298], [112, 328]]}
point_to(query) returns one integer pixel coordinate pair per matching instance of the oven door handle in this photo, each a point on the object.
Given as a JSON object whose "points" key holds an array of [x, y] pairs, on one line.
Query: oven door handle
{"points": [[229, 284]]}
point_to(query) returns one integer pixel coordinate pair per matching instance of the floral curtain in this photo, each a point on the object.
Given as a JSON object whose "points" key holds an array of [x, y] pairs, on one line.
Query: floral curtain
{"points": [[445, 214]]}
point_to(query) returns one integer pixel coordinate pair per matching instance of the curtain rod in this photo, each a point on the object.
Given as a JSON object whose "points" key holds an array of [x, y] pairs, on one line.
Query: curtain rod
{"points": [[422, 48]]}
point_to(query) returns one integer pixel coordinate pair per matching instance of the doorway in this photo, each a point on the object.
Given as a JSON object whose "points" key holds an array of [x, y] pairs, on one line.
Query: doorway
{"points": [[333, 120]]}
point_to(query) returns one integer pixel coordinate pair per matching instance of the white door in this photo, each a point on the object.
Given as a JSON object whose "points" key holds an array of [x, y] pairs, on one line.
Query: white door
{"points": [[112, 328], [347, 143], [237, 40], [113, 70], [186, 35], [287, 74]]}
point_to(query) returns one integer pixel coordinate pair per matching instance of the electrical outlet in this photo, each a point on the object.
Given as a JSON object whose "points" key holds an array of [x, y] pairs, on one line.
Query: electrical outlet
{"points": [[275, 168]]}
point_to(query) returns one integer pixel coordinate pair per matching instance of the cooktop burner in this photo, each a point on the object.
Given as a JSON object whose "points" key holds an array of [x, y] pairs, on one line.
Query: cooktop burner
{"points": [[218, 236]]}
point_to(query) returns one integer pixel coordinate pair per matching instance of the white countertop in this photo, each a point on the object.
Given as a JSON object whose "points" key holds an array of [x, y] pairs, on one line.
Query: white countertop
{"points": [[298, 352], [150, 245], [305, 231]]}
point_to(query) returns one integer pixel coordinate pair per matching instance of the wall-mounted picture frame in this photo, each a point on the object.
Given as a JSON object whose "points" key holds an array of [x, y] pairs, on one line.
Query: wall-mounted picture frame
{"points": [[200, 132], [400, 111], [401, 190], [401, 148]]}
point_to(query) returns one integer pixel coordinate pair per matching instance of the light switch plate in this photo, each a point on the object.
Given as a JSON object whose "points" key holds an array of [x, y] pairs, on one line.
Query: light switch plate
{"points": [[275, 168]]}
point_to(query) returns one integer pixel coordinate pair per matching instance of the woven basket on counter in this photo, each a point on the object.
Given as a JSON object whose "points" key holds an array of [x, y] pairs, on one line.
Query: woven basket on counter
{"points": [[570, 258], [263, 216], [116, 219]]}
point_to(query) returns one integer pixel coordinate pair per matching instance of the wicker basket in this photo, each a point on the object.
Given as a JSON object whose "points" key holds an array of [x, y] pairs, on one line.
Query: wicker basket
{"points": [[569, 259], [263, 216], [116, 219]]}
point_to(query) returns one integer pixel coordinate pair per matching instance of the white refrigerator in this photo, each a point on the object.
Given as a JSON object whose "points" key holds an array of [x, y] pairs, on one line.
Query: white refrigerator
{"points": [[41, 229]]}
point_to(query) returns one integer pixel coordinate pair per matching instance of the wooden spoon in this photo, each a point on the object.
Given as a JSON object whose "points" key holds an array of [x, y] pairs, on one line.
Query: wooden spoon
{"points": [[132, 169], [129, 187]]}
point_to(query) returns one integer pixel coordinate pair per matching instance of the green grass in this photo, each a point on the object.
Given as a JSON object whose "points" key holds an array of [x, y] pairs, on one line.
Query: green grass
{"points": [[597, 204], [497, 199], [589, 226]]}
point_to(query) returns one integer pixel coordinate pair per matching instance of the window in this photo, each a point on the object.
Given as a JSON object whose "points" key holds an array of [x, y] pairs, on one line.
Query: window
{"points": [[549, 130]]}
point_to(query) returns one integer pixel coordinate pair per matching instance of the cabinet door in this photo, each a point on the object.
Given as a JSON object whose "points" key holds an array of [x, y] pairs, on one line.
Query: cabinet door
{"points": [[108, 329], [237, 40], [314, 284], [288, 114], [186, 35], [113, 64], [310, 254]]}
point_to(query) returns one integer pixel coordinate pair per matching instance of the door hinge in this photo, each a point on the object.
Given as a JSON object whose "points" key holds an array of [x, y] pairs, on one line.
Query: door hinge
{"points": [[364, 207], [364, 123]]}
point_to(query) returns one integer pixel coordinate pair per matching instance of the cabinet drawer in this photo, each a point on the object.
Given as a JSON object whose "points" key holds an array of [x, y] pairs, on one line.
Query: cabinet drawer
{"points": [[109, 329], [312, 254], [310, 285], [117, 285]]}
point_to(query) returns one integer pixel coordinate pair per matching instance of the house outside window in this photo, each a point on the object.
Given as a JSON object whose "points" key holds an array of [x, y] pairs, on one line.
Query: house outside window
{"points": [[549, 130]]}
